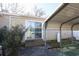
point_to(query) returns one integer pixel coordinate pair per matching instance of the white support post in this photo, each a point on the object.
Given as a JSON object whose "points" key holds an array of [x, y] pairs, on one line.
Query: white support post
{"points": [[58, 37], [42, 31]]}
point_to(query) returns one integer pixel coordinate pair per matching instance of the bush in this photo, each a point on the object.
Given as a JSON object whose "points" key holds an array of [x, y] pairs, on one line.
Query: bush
{"points": [[11, 39]]}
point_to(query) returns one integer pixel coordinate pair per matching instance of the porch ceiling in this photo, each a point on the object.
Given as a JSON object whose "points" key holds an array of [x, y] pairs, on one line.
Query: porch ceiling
{"points": [[68, 12]]}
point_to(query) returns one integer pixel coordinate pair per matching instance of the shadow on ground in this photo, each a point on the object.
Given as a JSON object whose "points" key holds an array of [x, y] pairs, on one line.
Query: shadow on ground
{"points": [[39, 51]]}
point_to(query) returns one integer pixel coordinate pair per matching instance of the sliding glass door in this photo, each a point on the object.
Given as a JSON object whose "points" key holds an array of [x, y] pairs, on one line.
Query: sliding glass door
{"points": [[34, 29]]}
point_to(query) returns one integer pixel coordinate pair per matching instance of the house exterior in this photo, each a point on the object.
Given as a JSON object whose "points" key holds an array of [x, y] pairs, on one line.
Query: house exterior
{"points": [[53, 27], [35, 24]]}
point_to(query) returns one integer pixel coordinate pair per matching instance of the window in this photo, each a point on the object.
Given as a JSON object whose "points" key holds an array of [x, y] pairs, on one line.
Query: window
{"points": [[34, 29]]}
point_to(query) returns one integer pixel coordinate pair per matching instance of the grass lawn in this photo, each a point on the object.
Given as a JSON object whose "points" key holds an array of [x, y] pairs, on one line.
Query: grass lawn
{"points": [[69, 48]]}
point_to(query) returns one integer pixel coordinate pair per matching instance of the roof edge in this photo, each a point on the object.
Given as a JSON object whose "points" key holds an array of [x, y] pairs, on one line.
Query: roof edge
{"points": [[11, 14], [57, 11]]}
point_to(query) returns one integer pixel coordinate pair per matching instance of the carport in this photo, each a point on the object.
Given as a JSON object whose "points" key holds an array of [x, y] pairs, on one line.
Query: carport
{"points": [[65, 20]]}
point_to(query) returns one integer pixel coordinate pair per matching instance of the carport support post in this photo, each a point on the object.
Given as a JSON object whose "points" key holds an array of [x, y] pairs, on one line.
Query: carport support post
{"points": [[61, 38], [60, 35], [45, 33], [45, 39], [61, 30], [72, 30]]}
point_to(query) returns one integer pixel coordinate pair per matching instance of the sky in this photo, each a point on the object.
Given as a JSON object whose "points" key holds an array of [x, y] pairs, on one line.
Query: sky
{"points": [[27, 5], [48, 8], [40, 1], [25, 8]]}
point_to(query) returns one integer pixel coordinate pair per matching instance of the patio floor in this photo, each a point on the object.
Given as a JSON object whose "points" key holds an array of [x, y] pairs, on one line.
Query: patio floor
{"points": [[39, 51]]}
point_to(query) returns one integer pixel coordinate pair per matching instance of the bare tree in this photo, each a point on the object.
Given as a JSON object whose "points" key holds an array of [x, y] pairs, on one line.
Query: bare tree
{"points": [[2, 8], [17, 9], [14, 7], [38, 12], [11, 8]]}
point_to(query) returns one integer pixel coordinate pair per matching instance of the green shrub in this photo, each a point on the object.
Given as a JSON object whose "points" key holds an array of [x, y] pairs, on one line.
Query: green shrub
{"points": [[11, 39]]}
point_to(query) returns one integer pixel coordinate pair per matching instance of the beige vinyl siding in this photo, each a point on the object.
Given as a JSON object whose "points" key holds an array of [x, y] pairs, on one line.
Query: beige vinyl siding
{"points": [[54, 28], [51, 34], [19, 20], [4, 21]]}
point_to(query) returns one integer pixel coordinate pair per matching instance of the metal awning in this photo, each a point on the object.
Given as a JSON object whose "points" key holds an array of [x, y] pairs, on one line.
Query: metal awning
{"points": [[67, 13]]}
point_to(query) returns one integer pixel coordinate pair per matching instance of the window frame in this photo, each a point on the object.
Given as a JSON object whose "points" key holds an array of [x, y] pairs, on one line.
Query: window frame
{"points": [[34, 28]]}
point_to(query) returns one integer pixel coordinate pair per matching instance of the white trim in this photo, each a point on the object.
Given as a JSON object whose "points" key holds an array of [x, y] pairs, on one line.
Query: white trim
{"points": [[42, 31], [35, 21], [12, 14]]}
